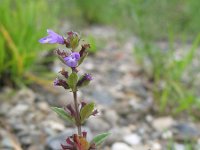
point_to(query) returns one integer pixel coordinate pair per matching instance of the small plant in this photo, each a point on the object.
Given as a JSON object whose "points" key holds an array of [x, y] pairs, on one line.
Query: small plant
{"points": [[78, 112], [169, 88], [20, 26]]}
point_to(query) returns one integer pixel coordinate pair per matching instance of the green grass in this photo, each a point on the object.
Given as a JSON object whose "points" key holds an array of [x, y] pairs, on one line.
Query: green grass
{"points": [[188, 145], [170, 90], [148, 19], [22, 23]]}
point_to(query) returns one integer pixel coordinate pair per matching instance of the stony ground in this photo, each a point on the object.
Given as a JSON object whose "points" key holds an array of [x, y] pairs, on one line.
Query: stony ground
{"points": [[122, 96]]}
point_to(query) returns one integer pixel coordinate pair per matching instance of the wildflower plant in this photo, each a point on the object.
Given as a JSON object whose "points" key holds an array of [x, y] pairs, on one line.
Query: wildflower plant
{"points": [[78, 111]]}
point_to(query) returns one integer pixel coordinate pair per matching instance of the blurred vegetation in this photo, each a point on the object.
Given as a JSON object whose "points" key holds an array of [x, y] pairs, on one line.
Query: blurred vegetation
{"points": [[22, 23], [148, 19], [166, 72], [188, 144]]}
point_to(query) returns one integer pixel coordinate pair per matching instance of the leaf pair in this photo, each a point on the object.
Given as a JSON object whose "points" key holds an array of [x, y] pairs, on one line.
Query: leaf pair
{"points": [[87, 111], [100, 138], [72, 81], [63, 114]]}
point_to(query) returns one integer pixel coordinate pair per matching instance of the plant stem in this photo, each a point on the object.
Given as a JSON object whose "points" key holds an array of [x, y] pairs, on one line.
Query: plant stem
{"points": [[78, 121]]}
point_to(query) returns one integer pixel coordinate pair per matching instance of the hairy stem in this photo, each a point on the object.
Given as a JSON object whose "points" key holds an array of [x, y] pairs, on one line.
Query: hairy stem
{"points": [[78, 119]]}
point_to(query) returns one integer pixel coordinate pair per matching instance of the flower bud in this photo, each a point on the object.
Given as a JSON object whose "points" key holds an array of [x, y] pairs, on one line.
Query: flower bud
{"points": [[61, 82], [83, 49], [64, 73], [61, 54], [72, 40], [71, 110], [84, 80]]}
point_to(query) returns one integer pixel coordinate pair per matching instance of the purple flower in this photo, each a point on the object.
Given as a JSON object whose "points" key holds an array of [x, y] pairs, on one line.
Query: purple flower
{"points": [[72, 59], [88, 77], [52, 38], [56, 82]]}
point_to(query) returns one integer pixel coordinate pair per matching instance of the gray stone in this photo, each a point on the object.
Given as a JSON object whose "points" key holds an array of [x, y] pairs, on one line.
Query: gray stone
{"points": [[18, 110], [178, 146], [36, 147], [43, 106], [149, 118], [122, 108], [156, 146], [97, 124], [132, 139], [167, 134], [102, 97], [55, 125], [117, 134], [111, 117], [120, 146], [7, 143], [26, 140], [186, 131], [25, 95], [53, 143], [4, 108], [143, 147], [163, 123]]}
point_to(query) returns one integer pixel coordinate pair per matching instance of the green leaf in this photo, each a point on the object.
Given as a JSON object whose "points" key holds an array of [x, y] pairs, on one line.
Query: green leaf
{"points": [[61, 112], [86, 111], [74, 42], [82, 59], [100, 138], [72, 81]]}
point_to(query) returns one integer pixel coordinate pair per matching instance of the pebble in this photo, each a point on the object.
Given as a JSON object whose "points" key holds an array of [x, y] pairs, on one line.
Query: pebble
{"points": [[111, 117], [120, 146], [132, 139], [89, 66], [117, 134], [57, 126], [103, 97], [43, 106], [26, 95], [53, 142], [97, 124], [163, 123], [167, 134], [7, 143], [26, 140], [19, 110], [186, 131], [156, 146], [178, 146], [149, 118]]}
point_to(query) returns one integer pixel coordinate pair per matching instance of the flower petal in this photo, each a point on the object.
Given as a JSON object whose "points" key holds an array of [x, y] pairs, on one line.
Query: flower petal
{"points": [[75, 55], [45, 40], [71, 62], [52, 38]]}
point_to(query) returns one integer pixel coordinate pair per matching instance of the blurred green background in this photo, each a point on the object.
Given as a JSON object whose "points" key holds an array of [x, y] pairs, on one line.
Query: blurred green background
{"points": [[23, 22]]}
